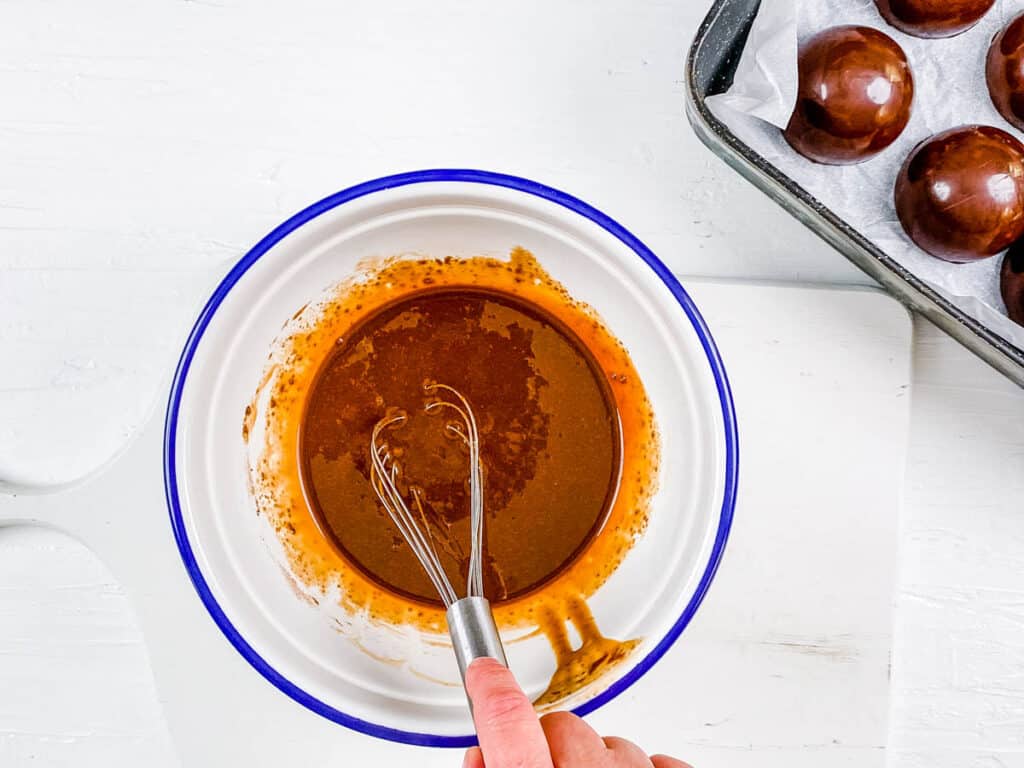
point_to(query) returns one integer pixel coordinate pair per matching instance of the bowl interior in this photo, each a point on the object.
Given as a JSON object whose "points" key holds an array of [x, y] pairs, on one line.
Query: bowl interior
{"points": [[391, 679]]}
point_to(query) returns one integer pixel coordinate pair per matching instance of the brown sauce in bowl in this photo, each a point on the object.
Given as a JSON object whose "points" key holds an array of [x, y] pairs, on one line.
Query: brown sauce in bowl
{"points": [[568, 440], [549, 439]]}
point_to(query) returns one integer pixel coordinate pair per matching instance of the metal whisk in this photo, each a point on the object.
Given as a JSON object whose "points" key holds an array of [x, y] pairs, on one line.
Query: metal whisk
{"points": [[470, 622]]}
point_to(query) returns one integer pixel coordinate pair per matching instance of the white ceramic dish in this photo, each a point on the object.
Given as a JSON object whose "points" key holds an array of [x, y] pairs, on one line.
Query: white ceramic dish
{"points": [[652, 595]]}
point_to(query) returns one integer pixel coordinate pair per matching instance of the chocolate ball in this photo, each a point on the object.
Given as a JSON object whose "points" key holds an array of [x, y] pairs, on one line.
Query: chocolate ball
{"points": [[1005, 72], [960, 194], [1011, 282], [854, 95], [933, 18]]}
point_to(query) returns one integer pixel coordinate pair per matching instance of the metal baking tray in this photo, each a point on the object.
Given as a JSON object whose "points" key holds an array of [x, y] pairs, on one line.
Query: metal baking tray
{"points": [[710, 67]]}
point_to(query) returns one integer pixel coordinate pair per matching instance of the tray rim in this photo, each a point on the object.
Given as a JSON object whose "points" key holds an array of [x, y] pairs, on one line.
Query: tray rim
{"points": [[900, 282]]}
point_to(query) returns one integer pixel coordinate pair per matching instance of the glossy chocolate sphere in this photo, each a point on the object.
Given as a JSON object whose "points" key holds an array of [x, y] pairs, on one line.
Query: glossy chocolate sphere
{"points": [[1005, 72], [960, 194], [933, 18], [854, 95], [1012, 283]]}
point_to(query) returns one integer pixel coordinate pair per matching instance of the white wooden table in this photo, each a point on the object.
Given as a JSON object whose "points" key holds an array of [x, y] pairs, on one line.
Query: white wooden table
{"points": [[143, 146]]}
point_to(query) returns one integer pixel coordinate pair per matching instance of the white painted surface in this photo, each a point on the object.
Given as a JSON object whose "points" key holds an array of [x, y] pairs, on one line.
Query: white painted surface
{"points": [[143, 146], [74, 672]]}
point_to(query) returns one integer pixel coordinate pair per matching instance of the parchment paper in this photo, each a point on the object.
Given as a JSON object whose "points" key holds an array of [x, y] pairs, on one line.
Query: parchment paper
{"points": [[949, 90]]}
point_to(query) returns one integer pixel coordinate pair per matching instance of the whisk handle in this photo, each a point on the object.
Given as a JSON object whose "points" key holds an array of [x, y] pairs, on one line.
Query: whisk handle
{"points": [[473, 632]]}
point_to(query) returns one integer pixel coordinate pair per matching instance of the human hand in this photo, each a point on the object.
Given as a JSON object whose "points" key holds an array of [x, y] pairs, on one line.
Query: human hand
{"points": [[511, 736]]}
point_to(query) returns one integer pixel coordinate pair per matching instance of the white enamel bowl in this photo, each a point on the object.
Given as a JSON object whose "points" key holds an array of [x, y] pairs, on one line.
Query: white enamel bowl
{"points": [[652, 595]]}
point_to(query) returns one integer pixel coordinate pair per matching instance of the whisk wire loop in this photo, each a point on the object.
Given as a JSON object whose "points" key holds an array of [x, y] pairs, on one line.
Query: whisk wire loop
{"points": [[385, 478], [470, 621]]}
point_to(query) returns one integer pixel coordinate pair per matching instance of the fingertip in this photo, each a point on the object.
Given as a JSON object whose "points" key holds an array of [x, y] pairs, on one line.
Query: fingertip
{"points": [[493, 689], [506, 723], [483, 667], [489, 682], [560, 721], [664, 761], [571, 740], [474, 758], [625, 751], [485, 672]]}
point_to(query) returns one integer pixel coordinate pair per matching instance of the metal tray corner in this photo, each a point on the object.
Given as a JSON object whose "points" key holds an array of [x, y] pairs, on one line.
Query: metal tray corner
{"points": [[710, 66]]}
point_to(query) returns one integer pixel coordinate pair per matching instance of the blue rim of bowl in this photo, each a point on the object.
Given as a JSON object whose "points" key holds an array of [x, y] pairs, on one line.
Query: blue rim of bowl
{"points": [[361, 190]]}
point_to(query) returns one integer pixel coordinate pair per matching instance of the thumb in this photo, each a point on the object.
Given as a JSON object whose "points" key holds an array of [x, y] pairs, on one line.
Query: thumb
{"points": [[506, 725]]}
